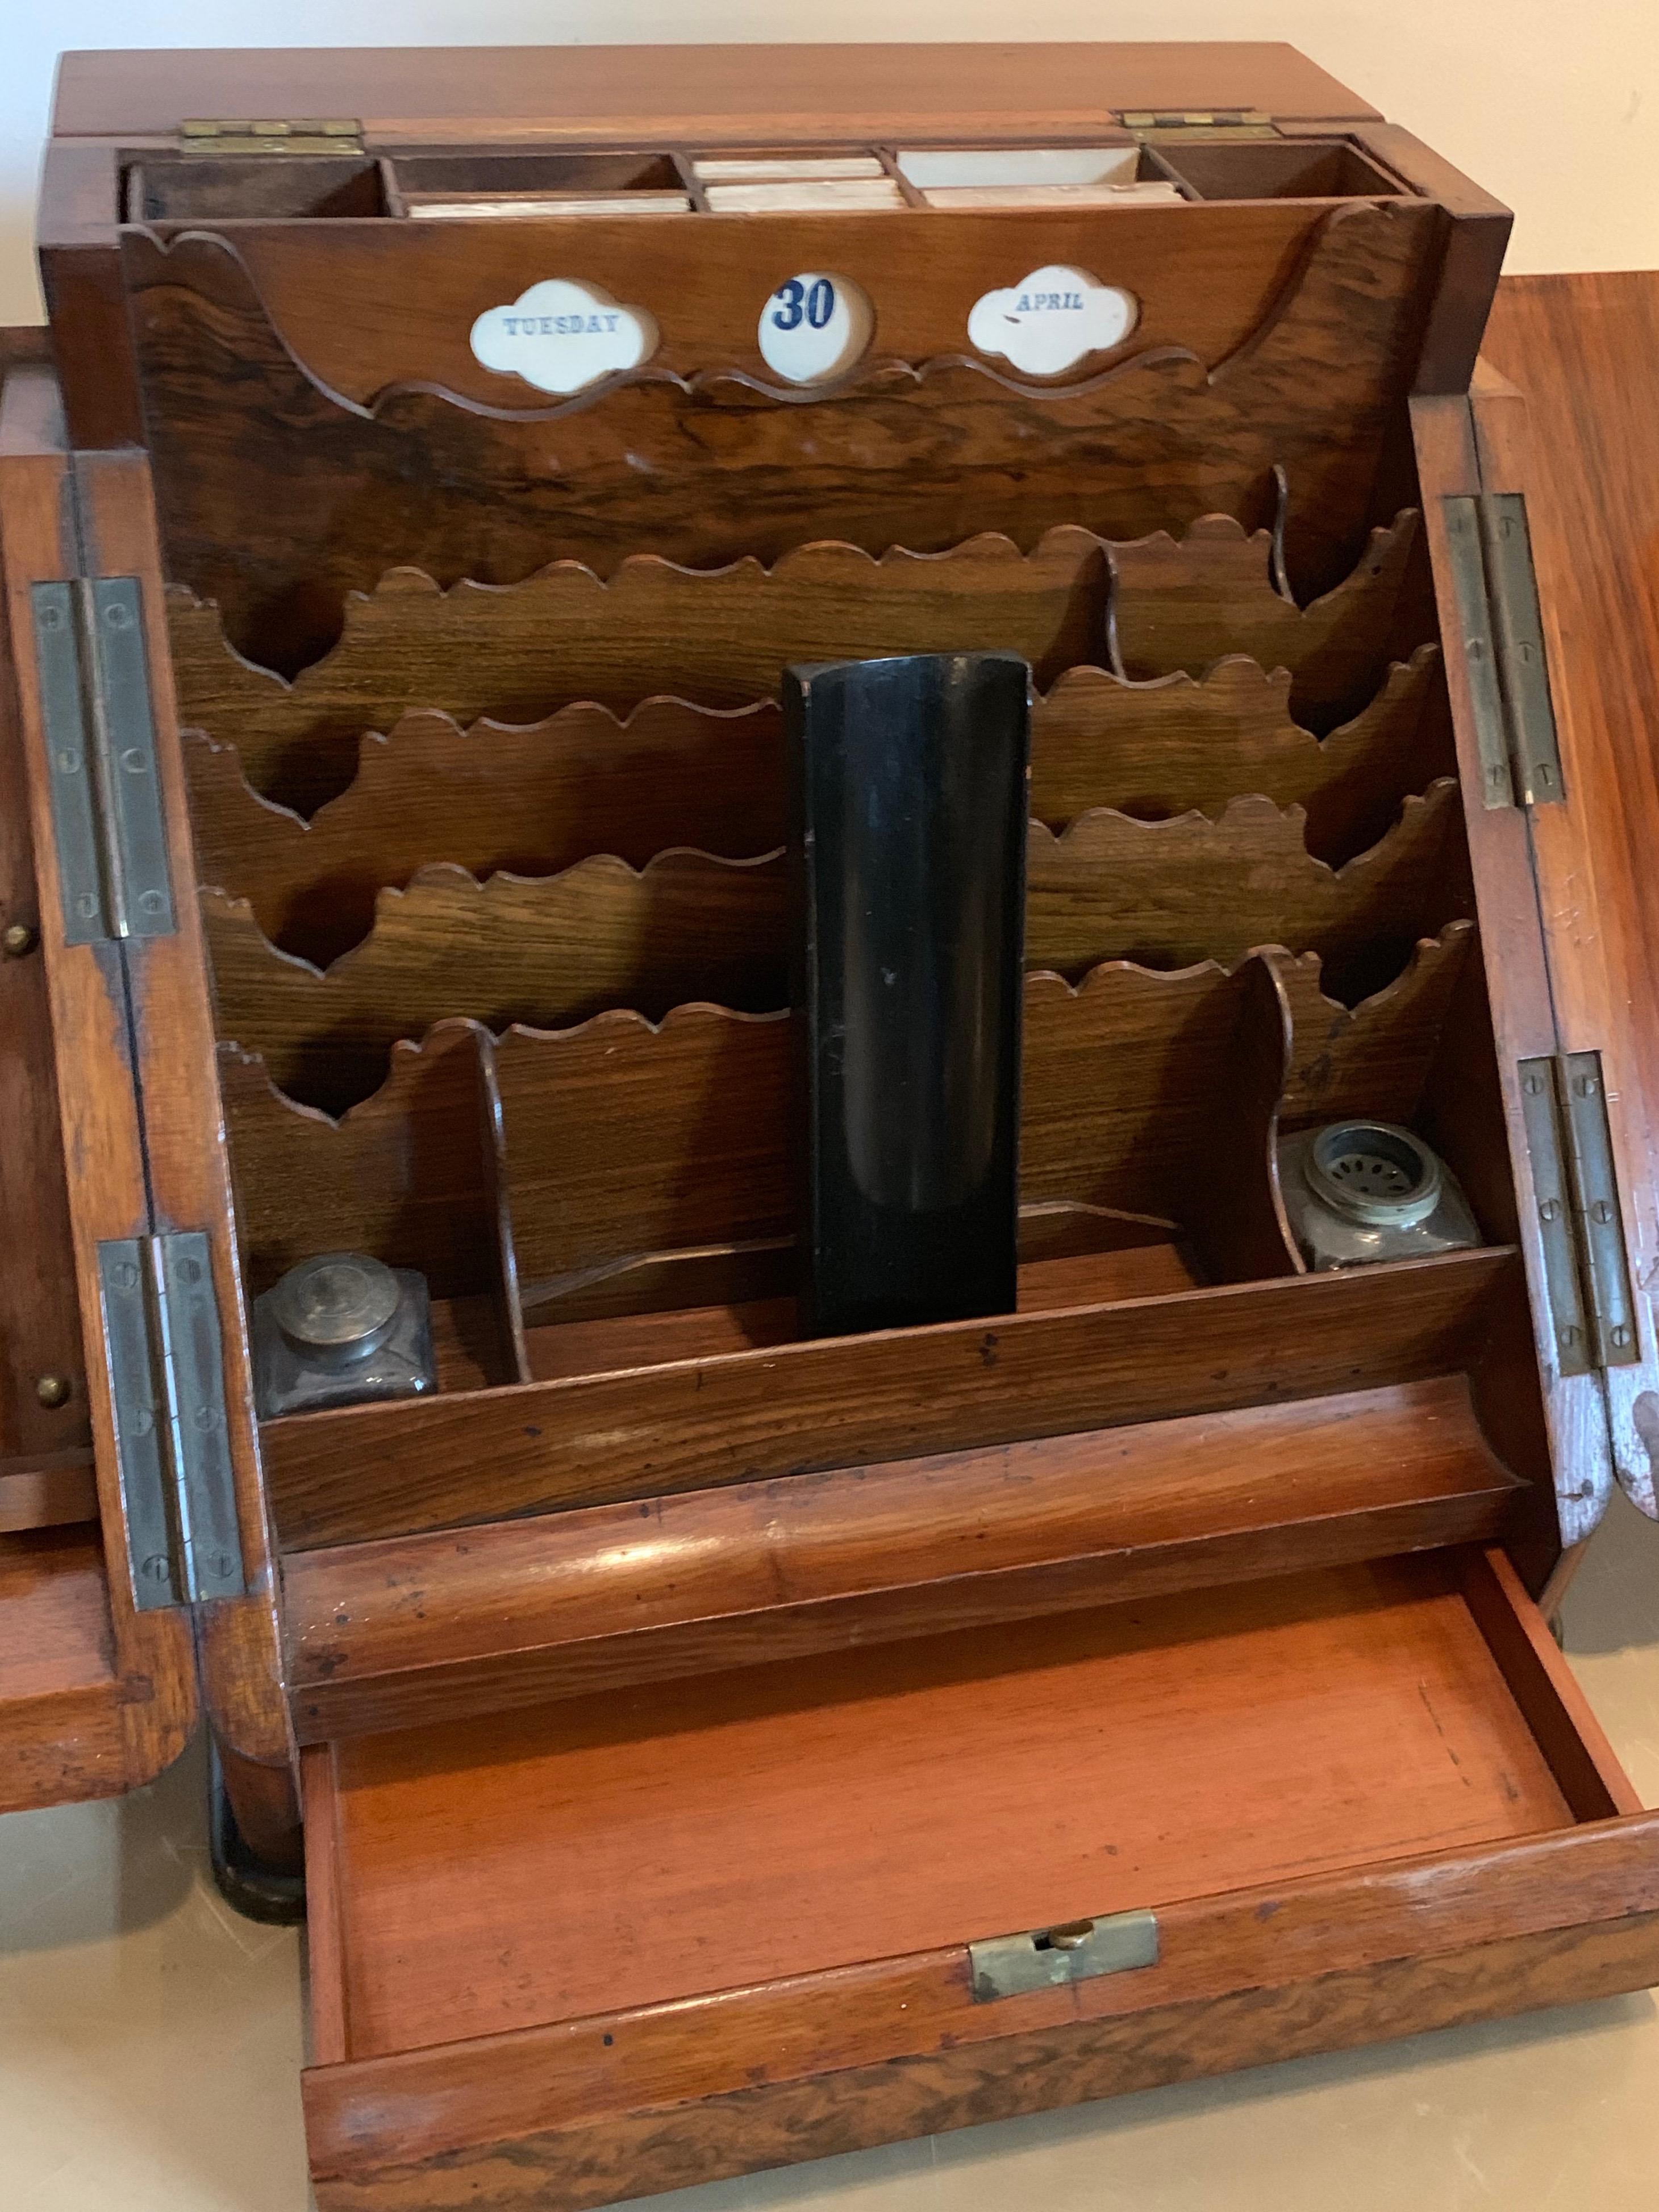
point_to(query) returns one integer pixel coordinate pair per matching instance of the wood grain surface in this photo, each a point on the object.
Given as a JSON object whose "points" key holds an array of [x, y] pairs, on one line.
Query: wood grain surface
{"points": [[154, 1666], [1523, 1017], [536, 798], [187, 1182], [392, 1469], [645, 1846], [525, 799], [1583, 444], [1373, 1059], [756, 94], [624, 1139], [1167, 893], [742, 2128], [545, 950], [251, 452], [600, 1597], [368, 308], [621, 1141], [39, 1320], [1166, 593], [721, 637], [1177, 744], [407, 1175], [551, 951], [63, 1724]]}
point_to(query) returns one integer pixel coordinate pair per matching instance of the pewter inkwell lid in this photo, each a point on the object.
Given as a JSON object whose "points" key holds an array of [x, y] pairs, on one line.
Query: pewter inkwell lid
{"points": [[337, 1307]]}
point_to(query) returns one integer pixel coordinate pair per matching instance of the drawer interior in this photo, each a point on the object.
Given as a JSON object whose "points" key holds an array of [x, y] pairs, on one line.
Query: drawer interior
{"points": [[612, 1853]]}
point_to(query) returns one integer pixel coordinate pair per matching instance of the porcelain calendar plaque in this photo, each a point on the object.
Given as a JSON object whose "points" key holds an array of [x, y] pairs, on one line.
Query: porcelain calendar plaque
{"points": [[814, 326], [1052, 319], [561, 335]]}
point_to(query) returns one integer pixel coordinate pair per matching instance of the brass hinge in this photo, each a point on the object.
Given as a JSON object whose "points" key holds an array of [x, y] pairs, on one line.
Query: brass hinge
{"points": [[172, 1437], [272, 135], [1187, 123], [1503, 631], [1047, 1958], [1586, 1274], [111, 839]]}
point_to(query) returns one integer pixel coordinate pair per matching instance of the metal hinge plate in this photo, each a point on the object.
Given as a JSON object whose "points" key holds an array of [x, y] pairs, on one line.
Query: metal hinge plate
{"points": [[1048, 1958], [172, 1437], [1186, 123], [271, 135], [1586, 1275], [111, 839], [1502, 629]]}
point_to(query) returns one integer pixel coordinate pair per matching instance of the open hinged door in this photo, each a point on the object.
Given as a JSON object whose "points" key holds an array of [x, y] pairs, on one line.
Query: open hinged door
{"points": [[90, 1703], [1539, 508], [187, 1582]]}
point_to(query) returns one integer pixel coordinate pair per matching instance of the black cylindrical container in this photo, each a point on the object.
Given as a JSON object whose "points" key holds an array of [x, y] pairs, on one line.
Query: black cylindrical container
{"points": [[908, 800]]}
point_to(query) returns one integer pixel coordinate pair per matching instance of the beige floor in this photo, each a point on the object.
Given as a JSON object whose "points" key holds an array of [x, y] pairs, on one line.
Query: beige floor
{"points": [[150, 2040]]}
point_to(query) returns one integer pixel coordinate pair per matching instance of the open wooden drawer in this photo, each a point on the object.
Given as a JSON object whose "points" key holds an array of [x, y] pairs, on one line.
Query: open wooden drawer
{"points": [[645, 1938]]}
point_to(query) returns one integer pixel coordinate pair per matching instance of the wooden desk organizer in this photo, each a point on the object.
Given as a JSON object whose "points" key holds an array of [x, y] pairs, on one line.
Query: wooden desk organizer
{"points": [[685, 1706]]}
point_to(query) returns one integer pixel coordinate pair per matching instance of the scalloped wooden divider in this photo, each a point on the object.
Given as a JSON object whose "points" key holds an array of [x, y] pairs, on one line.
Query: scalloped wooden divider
{"points": [[1143, 1095], [534, 799], [1419, 1052], [333, 494], [720, 637], [412, 1176], [625, 1139], [621, 1166], [549, 951], [1166, 592], [530, 799], [1165, 894], [1372, 1059], [1179, 743], [1155, 1093]]}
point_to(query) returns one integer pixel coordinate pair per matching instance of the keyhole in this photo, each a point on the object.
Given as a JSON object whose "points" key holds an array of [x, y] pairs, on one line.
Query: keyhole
{"points": [[1070, 1937]]}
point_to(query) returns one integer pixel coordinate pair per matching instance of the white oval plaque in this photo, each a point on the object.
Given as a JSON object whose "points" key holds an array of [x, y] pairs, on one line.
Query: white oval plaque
{"points": [[1055, 318], [561, 335], [814, 326]]}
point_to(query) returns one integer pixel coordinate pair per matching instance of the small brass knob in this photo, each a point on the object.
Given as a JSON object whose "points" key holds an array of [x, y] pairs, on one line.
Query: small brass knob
{"points": [[19, 940], [53, 1390]]}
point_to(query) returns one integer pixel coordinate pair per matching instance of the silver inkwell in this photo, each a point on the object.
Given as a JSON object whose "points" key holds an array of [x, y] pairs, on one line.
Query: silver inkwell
{"points": [[342, 1329], [1362, 1191]]}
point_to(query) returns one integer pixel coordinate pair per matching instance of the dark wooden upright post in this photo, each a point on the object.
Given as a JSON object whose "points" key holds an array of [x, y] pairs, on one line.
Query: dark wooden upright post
{"points": [[908, 793]]}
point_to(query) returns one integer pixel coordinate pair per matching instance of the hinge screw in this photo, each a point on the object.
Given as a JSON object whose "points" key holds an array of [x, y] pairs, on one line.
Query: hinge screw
{"points": [[1621, 1336], [19, 940], [1550, 1209], [1532, 1085], [53, 1390]]}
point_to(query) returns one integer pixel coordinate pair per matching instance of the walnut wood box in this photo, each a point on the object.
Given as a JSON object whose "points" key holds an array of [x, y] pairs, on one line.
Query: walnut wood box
{"points": [[713, 1747]]}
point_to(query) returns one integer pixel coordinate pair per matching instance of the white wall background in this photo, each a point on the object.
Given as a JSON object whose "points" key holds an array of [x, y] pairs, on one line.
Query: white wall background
{"points": [[1553, 106]]}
